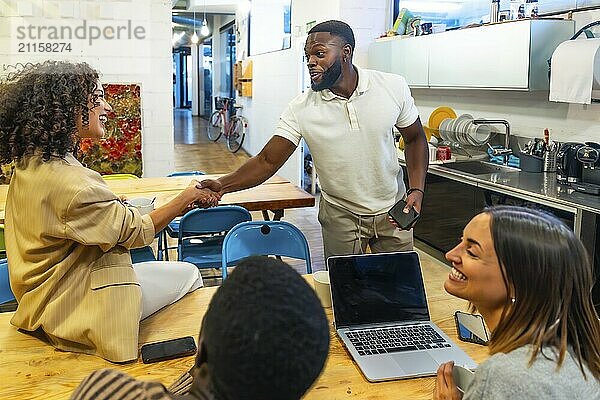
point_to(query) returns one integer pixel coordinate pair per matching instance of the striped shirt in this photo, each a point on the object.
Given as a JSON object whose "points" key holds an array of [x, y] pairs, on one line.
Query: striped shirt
{"points": [[109, 384]]}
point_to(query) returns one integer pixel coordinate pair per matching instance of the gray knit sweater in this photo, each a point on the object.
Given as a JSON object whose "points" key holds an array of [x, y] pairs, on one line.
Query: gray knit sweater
{"points": [[507, 376]]}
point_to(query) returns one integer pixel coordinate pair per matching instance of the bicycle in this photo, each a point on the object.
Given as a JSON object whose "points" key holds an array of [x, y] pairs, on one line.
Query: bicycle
{"points": [[225, 121]]}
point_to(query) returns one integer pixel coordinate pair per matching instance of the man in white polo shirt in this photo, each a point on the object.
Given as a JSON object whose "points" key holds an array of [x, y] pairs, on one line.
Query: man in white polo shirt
{"points": [[346, 121]]}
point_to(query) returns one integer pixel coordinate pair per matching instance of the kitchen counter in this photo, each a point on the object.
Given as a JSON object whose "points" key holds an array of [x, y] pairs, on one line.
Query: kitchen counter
{"points": [[450, 189], [540, 188]]}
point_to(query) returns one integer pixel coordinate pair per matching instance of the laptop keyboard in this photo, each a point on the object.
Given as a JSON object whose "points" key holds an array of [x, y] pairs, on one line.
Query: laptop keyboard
{"points": [[395, 339]]}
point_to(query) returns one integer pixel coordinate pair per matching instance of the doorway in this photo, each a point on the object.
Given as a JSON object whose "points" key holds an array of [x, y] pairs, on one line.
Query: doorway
{"points": [[207, 71], [182, 77]]}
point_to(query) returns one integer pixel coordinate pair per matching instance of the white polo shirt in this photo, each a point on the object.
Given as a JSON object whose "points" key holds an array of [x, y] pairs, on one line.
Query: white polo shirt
{"points": [[351, 140]]}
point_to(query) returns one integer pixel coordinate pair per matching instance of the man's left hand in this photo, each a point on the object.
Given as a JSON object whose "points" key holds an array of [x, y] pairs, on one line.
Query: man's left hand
{"points": [[414, 199]]}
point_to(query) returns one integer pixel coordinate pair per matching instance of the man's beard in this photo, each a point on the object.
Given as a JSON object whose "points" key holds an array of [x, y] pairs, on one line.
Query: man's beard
{"points": [[329, 77]]}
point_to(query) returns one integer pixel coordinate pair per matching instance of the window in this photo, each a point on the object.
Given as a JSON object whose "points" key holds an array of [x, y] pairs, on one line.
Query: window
{"points": [[459, 13]]}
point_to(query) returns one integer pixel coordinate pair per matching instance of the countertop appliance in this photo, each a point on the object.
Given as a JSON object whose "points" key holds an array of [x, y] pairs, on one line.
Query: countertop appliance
{"points": [[568, 167], [589, 156]]}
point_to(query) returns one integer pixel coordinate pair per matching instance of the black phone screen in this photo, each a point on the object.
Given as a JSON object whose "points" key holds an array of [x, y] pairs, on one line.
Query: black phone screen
{"points": [[169, 349], [404, 220]]}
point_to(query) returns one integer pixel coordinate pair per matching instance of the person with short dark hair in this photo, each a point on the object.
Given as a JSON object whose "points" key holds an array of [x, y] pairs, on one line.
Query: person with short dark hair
{"points": [[346, 119], [264, 336], [531, 279]]}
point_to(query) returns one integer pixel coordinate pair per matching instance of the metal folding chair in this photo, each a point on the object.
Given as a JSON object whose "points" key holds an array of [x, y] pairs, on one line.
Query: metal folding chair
{"points": [[186, 173], [6, 293], [142, 254], [265, 238], [202, 231], [173, 228]]}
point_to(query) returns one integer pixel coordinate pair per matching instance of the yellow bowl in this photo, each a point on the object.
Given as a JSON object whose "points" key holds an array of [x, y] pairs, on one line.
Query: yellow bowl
{"points": [[429, 132], [438, 115]]}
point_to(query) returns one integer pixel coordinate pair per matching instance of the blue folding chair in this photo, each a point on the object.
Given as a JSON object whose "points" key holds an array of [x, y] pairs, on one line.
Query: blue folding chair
{"points": [[264, 238], [202, 231], [186, 173], [173, 228], [2, 243], [142, 254], [6, 293]]}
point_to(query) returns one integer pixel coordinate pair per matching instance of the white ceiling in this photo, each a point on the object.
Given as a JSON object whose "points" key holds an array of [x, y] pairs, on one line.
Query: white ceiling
{"points": [[213, 6]]}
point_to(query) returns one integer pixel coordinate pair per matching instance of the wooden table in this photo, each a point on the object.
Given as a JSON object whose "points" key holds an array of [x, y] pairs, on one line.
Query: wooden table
{"points": [[276, 194], [32, 369]]}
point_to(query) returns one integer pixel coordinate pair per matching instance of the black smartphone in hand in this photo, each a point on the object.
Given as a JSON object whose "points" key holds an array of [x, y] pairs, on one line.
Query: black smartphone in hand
{"points": [[404, 220], [169, 349]]}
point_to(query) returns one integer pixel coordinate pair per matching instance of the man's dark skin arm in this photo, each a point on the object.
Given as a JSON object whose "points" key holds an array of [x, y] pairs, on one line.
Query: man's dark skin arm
{"points": [[256, 170], [416, 154]]}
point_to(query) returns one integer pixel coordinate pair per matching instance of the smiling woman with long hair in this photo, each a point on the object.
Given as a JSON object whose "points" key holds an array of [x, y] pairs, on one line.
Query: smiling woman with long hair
{"points": [[67, 235], [531, 279]]}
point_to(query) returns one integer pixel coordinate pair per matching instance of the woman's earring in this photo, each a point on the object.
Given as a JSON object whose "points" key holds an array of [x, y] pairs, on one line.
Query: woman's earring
{"points": [[512, 299]]}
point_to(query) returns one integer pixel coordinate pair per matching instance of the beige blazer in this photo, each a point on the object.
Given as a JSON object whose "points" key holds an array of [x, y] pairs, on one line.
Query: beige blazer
{"points": [[67, 239]]}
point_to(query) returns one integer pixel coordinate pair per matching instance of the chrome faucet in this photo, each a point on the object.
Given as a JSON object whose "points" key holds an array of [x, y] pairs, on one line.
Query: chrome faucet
{"points": [[506, 151]]}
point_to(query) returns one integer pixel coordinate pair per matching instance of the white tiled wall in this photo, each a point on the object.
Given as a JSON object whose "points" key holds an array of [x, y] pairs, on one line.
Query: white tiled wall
{"points": [[144, 61]]}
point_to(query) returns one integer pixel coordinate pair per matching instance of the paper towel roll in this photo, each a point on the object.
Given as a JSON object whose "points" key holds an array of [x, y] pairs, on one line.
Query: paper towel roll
{"points": [[575, 71]]}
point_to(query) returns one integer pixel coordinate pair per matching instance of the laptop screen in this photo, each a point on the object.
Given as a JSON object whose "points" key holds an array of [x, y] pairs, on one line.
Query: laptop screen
{"points": [[377, 288]]}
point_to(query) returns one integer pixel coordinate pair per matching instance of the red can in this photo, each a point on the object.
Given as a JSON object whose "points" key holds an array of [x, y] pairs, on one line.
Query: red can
{"points": [[443, 153]]}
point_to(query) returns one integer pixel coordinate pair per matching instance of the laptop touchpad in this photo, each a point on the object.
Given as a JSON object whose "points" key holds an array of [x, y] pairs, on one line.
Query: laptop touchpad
{"points": [[416, 363]]}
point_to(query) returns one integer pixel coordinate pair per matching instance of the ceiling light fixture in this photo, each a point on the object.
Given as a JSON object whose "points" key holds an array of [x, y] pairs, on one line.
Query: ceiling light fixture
{"points": [[195, 38], [204, 31]]}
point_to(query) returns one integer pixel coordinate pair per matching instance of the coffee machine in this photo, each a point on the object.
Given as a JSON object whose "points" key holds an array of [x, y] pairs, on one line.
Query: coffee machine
{"points": [[568, 167], [588, 156]]}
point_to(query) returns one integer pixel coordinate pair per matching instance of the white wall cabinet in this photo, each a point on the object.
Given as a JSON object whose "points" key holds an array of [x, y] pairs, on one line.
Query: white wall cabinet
{"points": [[500, 56]]}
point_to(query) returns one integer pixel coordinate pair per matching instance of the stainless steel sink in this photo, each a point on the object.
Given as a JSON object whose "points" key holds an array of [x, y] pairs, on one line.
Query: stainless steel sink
{"points": [[479, 167]]}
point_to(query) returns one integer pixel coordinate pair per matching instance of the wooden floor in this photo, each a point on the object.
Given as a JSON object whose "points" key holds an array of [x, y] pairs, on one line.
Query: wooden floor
{"points": [[193, 151]]}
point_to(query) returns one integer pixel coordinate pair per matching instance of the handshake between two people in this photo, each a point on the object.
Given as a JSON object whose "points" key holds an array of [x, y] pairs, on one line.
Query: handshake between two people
{"points": [[204, 194]]}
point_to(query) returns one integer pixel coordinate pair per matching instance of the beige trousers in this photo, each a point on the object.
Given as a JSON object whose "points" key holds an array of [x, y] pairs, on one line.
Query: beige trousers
{"points": [[347, 233]]}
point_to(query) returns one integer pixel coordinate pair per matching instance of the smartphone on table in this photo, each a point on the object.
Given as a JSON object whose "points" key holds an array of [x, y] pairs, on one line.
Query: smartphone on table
{"points": [[169, 349], [471, 328], [404, 220]]}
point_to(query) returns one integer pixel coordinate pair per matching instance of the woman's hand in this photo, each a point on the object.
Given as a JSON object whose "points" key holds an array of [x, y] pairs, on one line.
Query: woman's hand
{"points": [[445, 388]]}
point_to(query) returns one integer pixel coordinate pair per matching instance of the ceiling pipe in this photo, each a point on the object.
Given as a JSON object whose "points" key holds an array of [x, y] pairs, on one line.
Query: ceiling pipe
{"points": [[185, 20]]}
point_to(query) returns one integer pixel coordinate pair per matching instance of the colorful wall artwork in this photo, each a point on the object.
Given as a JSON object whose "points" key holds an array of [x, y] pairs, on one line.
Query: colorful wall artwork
{"points": [[120, 151]]}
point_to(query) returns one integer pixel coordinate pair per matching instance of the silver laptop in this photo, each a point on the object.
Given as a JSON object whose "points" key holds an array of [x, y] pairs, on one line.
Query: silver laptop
{"points": [[381, 315]]}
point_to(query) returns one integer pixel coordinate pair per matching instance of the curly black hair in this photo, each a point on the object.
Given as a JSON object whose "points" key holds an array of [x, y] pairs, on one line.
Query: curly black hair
{"points": [[265, 333], [40, 107]]}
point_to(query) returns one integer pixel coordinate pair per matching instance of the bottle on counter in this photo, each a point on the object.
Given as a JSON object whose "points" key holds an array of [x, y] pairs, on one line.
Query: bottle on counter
{"points": [[494, 11], [517, 9], [550, 152], [531, 9]]}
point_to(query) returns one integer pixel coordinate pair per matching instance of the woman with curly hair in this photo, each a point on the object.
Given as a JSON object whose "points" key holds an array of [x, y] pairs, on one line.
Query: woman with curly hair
{"points": [[531, 279], [67, 235]]}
